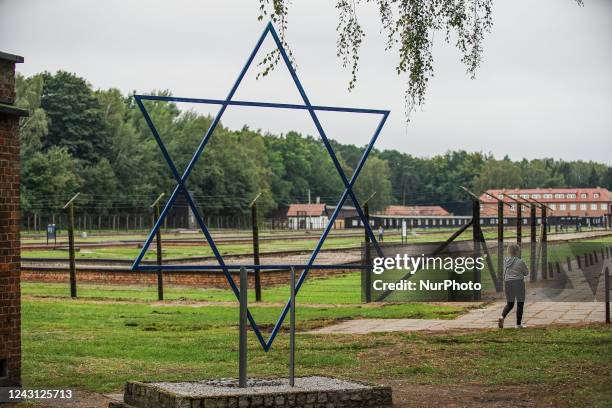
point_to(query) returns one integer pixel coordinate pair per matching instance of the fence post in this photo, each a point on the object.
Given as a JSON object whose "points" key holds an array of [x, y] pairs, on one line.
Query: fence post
{"points": [[533, 250], [476, 242], [519, 225], [160, 276], [242, 340], [607, 294], [586, 260], [544, 243], [292, 331], [368, 258], [500, 239], [71, 250], [72, 262], [256, 260]]}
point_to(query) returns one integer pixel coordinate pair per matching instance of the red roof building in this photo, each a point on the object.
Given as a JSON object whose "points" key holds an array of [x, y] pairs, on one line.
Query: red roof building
{"points": [[315, 210], [564, 202], [415, 210], [307, 216]]}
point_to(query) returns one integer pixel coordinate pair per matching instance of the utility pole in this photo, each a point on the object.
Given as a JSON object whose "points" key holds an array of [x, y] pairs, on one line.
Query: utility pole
{"points": [[160, 277], [72, 262], [256, 261]]}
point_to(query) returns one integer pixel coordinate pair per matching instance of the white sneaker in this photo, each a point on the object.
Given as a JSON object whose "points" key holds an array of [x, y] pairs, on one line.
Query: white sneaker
{"points": [[500, 322], [520, 326]]}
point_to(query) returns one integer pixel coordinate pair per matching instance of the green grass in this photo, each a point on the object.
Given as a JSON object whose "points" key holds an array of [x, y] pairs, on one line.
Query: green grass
{"points": [[332, 292], [343, 289], [113, 334], [100, 345]]}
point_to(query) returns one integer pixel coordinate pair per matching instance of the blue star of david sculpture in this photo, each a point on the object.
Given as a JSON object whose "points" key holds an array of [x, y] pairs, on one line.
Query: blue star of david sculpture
{"points": [[182, 179]]}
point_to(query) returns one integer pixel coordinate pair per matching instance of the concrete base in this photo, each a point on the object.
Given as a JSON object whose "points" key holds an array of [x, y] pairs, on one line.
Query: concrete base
{"points": [[309, 392]]}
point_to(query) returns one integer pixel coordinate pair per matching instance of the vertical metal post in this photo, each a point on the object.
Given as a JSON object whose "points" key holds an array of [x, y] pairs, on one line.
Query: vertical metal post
{"points": [[544, 243], [292, 331], [500, 239], [476, 232], [533, 252], [73, 285], [368, 258], [242, 341], [607, 294], [160, 277], [256, 251]]}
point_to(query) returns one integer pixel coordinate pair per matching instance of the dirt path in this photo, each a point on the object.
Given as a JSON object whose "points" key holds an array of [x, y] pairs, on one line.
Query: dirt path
{"points": [[407, 395]]}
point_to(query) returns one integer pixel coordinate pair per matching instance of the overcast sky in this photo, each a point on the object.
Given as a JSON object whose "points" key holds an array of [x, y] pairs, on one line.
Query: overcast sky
{"points": [[544, 89]]}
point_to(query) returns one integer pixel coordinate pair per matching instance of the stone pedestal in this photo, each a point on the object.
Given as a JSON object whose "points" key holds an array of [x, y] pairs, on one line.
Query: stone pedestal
{"points": [[309, 392]]}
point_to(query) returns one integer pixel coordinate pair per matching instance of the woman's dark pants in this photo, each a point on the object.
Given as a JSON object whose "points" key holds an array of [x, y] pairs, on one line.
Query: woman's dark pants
{"points": [[515, 289]]}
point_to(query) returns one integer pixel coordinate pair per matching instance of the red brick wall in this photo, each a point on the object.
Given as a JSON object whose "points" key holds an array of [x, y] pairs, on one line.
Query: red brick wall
{"points": [[10, 308]]}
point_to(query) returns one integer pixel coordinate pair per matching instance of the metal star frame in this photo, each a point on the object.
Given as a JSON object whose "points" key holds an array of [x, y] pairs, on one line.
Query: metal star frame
{"points": [[182, 179]]}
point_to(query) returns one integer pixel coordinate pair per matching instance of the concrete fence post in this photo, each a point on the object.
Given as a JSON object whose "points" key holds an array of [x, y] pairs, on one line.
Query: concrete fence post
{"points": [[607, 294]]}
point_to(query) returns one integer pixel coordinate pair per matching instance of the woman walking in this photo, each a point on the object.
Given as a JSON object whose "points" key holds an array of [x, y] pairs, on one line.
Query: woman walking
{"points": [[515, 271]]}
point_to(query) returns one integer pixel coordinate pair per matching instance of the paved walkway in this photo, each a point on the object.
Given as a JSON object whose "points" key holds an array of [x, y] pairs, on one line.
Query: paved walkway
{"points": [[573, 294], [539, 313]]}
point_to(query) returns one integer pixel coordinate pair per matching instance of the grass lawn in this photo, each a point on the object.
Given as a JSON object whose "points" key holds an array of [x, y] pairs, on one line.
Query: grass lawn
{"points": [[113, 334], [339, 290], [97, 345]]}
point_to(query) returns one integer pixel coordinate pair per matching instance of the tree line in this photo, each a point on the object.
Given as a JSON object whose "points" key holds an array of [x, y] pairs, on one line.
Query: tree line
{"points": [[97, 142]]}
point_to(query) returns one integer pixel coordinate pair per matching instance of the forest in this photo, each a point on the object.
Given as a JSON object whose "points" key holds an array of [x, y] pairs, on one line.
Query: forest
{"points": [[77, 138]]}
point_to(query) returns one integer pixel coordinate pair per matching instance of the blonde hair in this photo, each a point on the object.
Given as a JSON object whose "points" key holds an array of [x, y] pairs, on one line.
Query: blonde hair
{"points": [[514, 250]]}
